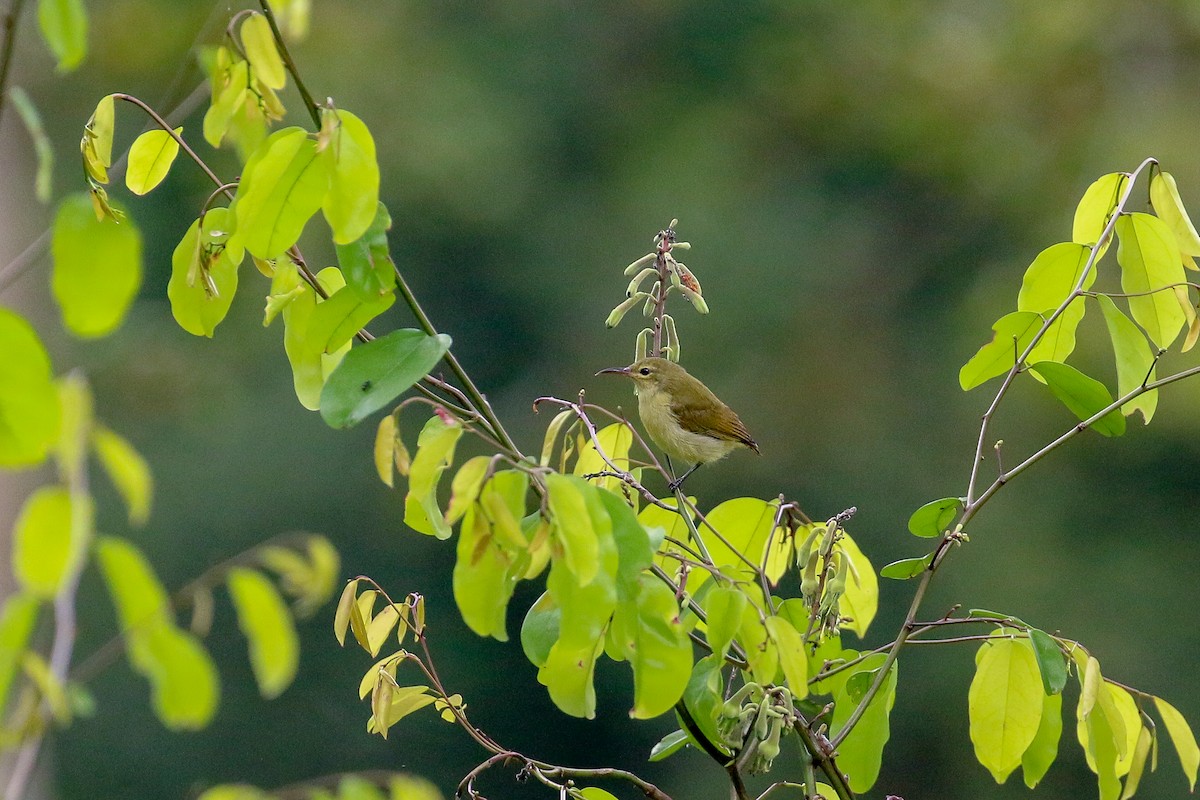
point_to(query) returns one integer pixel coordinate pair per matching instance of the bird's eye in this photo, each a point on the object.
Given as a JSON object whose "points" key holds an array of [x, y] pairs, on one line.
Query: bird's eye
{"points": [[644, 370]]}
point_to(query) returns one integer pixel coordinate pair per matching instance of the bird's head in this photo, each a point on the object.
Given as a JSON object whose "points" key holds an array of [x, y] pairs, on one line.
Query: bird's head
{"points": [[650, 374]]}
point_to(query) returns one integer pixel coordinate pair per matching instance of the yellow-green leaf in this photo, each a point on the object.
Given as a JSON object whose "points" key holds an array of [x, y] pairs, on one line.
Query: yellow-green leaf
{"points": [[345, 608], [1135, 360], [337, 319], [385, 450], [48, 685], [268, 626], [29, 403], [1083, 396], [1150, 260], [1140, 754], [183, 676], [128, 470], [1043, 750], [615, 440], [861, 753], [64, 26], [1013, 333], [353, 198], [150, 159], [723, 607], [1048, 282], [16, 626], [861, 599], [435, 452], [1164, 195], [1183, 739], [139, 597], [259, 44], [282, 186], [42, 148], [1005, 705], [573, 525], [204, 273], [97, 141], [230, 89], [792, 658], [1096, 207], [97, 268], [42, 541], [464, 489], [71, 450]]}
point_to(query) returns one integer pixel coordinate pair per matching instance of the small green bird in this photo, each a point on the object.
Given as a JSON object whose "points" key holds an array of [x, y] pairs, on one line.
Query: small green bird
{"points": [[682, 416]]}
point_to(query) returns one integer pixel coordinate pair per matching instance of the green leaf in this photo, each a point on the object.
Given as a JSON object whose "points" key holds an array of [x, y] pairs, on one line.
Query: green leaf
{"points": [[352, 202], [1164, 195], [78, 421], [137, 594], [861, 599], [376, 373], [573, 525], [792, 658], [539, 631], [488, 565], [97, 267], [96, 145], [16, 626], [337, 319], [150, 159], [435, 452], [1005, 705], [204, 273], [592, 793], [1183, 739], [128, 471], [668, 746], [365, 262], [64, 25], [30, 412], [1043, 750], [464, 489], [259, 43], [906, 568], [615, 440], [1135, 360], [42, 545], [282, 186], [745, 523], [1013, 333], [703, 697], [182, 674], [1052, 664], [1083, 396], [1097, 205], [760, 649], [934, 518], [861, 753], [230, 87], [1150, 260], [43, 149], [724, 607], [264, 618], [1048, 282], [309, 370], [657, 648]]}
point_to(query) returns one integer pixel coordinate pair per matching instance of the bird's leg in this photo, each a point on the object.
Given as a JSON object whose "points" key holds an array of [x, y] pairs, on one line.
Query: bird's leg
{"points": [[675, 484]]}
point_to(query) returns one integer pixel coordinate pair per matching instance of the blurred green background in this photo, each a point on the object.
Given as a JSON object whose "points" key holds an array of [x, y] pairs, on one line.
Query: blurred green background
{"points": [[863, 184]]}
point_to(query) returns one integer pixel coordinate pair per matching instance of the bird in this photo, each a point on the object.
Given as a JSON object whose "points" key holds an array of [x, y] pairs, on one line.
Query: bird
{"points": [[683, 417]]}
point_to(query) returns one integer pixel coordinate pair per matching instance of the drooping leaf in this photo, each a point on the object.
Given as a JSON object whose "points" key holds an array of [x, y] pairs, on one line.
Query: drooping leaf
{"points": [[934, 518], [1048, 282], [1141, 754], [435, 452], [385, 450], [861, 753], [573, 525], [489, 564], [861, 598], [343, 314], [1183, 739], [376, 373], [668, 746], [204, 273], [703, 697], [259, 44], [16, 626], [231, 87], [539, 631], [1013, 333], [78, 420], [1043, 750], [1135, 361], [96, 145], [97, 267], [42, 545], [1150, 260], [464, 489], [1005, 704], [1083, 396], [268, 627], [1096, 207], [64, 26], [353, 198], [281, 188], [150, 159], [30, 411], [1164, 195], [906, 568], [724, 607], [182, 674], [615, 440], [128, 471], [1052, 664], [366, 262], [657, 648], [792, 658], [137, 594]]}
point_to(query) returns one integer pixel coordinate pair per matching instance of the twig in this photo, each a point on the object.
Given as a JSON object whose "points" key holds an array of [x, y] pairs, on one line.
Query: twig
{"points": [[10, 45]]}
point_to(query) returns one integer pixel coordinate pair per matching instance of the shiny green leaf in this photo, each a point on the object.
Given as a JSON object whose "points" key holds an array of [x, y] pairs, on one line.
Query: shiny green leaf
{"points": [[539, 630], [204, 273], [792, 658], [337, 319], [615, 441], [150, 159], [281, 188], [906, 568], [97, 267], [259, 43], [1150, 260], [376, 373], [1135, 360], [488, 565], [1048, 282], [264, 619], [861, 753], [861, 599], [724, 607], [1005, 705], [703, 697], [42, 544], [128, 471], [30, 412], [1183, 739], [668, 746], [366, 263], [1097, 205], [1164, 195], [310, 370], [64, 26], [1052, 664], [1083, 396], [1043, 750], [934, 518], [1013, 333], [435, 452], [573, 525], [353, 198]]}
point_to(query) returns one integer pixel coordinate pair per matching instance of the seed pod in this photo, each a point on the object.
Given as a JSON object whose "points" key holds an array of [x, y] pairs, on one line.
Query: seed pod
{"points": [[695, 299], [652, 300], [811, 581], [688, 279], [636, 283], [805, 549], [827, 541], [618, 313], [672, 338], [643, 344], [682, 246], [641, 262]]}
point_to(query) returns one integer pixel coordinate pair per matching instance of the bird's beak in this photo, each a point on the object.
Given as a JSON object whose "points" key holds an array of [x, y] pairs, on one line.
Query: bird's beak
{"points": [[615, 371]]}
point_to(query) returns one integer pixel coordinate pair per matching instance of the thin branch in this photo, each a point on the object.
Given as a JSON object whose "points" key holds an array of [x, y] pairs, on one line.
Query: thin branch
{"points": [[314, 110], [10, 45]]}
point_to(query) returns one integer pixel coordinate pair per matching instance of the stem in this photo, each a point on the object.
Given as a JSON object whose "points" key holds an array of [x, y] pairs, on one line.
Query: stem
{"points": [[10, 45], [314, 110]]}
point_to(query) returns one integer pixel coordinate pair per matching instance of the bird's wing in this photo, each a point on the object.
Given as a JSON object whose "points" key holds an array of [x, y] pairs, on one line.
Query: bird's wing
{"points": [[727, 426]]}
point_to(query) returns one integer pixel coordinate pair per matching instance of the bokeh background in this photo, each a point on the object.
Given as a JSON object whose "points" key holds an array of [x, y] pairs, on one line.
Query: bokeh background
{"points": [[863, 184]]}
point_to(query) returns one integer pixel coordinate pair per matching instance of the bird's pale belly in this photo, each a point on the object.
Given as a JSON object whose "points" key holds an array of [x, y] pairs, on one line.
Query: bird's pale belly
{"points": [[665, 431]]}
